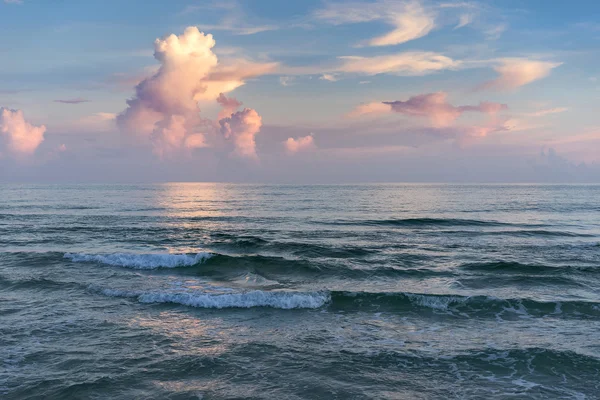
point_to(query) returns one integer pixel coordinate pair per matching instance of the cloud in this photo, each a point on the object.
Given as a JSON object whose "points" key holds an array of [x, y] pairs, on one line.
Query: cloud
{"points": [[517, 72], [234, 20], [77, 100], [374, 108], [241, 129], [165, 107], [286, 80], [548, 111], [21, 138], [172, 134], [13, 1], [464, 20], [494, 32], [229, 105], [301, 144], [435, 107], [408, 64], [329, 77], [410, 20]]}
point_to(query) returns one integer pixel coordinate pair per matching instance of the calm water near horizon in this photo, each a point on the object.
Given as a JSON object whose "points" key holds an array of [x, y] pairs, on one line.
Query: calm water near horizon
{"points": [[220, 291]]}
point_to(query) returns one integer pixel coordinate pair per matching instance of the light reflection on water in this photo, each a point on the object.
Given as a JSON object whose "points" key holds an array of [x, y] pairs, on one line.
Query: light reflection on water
{"points": [[402, 291]]}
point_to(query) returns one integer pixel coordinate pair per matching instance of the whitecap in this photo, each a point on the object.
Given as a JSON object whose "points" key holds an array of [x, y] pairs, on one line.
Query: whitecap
{"points": [[142, 261], [255, 298]]}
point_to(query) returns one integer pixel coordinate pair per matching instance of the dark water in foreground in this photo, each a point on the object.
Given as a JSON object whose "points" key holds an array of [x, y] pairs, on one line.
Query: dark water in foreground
{"points": [[186, 291]]}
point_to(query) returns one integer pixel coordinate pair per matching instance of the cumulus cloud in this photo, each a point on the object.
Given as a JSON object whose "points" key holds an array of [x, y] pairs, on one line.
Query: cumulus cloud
{"points": [[410, 20], [229, 105], [412, 63], [435, 107], [77, 100], [241, 128], [517, 72], [301, 144], [20, 137], [165, 107]]}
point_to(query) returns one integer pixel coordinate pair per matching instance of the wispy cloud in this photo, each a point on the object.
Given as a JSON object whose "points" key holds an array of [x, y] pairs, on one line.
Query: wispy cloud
{"points": [[408, 63], [77, 100], [13, 1], [548, 111], [516, 72], [286, 80], [235, 19], [410, 20]]}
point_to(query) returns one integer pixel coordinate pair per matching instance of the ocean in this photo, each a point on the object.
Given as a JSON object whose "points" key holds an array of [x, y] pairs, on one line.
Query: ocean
{"points": [[243, 291]]}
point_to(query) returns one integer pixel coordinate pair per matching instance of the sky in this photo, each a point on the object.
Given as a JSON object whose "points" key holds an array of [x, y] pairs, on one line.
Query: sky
{"points": [[307, 91]]}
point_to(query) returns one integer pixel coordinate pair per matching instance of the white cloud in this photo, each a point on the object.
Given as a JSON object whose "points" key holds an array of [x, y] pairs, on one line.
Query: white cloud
{"points": [[409, 63], [410, 20], [517, 72], [329, 77]]}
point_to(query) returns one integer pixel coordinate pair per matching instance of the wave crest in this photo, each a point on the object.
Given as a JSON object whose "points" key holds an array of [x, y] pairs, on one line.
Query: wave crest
{"points": [[142, 261], [255, 298]]}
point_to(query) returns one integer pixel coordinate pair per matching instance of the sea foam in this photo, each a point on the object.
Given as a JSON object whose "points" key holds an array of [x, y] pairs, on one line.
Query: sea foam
{"points": [[255, 298], [142, 261]]}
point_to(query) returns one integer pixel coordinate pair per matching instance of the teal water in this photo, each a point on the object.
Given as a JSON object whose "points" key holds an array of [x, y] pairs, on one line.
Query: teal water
{"points": [[220, 291]]}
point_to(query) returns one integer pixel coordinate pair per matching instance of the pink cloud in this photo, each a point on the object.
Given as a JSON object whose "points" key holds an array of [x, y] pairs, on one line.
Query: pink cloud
{"points": [[165, 108], [241, 128], [435, 107], [21, 137], [373, 108], [229, 105], [517, 72], [301, 144]]}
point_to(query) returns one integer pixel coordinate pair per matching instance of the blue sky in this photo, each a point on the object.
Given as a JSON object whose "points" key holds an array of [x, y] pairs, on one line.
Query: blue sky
{"points": [[475, 91]]}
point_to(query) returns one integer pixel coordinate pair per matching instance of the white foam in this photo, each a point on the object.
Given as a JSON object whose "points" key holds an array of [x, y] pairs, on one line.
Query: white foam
{"points": [[141, 261], [435, 302], [255, 298]]}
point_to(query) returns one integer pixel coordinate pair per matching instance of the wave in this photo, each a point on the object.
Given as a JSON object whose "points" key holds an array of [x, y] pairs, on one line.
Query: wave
{"points": [[267, 266], [425, 222], [469, 306], [142, 261], [255, 298], [516, 267], [454, 305]]}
